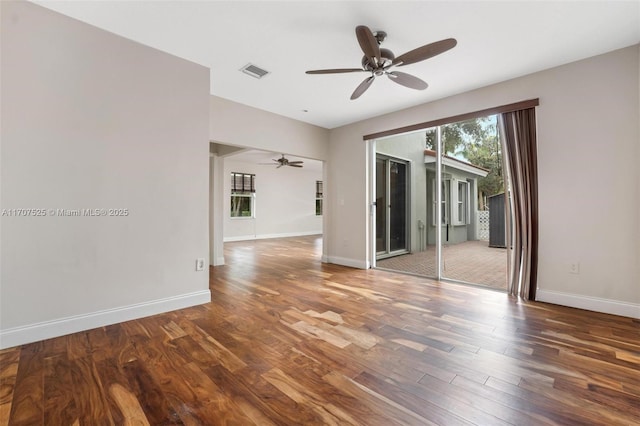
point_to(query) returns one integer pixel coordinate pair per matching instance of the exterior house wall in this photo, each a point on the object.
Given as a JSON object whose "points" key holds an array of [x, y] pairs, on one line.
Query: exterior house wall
{"points": [[457, 233], [411, 147]]}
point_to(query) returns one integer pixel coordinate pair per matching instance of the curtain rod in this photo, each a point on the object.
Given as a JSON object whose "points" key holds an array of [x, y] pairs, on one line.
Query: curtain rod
{"points": [[530, 103]]}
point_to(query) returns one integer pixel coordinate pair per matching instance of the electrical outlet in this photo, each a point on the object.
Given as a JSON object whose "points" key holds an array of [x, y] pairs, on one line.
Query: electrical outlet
{"points": [[574, 268], [200, 264]]}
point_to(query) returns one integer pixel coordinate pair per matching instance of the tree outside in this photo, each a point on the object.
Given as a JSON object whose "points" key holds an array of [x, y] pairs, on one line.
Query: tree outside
{"points": [[475, 141]]}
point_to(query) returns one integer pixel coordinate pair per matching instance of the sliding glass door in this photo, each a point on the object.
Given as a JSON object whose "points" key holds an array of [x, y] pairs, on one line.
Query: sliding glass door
{"points": [[457, 203], [392, 213], [473, 198]]}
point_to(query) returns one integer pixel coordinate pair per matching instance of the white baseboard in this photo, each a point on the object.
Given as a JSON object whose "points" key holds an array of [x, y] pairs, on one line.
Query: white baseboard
{"points": [[352, 263], [49, 329], [219, 261], [267, 236], [607, 306]]}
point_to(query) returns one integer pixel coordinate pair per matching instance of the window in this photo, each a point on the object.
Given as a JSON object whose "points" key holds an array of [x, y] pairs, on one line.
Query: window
{"points": [[455, 201], [318, 198], [243, 192], [446, 189], [462, 201]]}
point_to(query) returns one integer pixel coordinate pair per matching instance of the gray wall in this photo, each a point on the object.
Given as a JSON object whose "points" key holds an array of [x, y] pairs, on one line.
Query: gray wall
{"points": [[92, 120]]}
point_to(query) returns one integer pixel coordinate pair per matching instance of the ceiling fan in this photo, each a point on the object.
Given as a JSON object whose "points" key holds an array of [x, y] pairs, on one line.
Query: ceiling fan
{"points": [[283, 161], [378, 61]]}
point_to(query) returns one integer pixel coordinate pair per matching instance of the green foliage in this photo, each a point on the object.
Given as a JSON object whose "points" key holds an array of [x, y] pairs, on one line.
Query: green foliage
{"points": [[475, 141], [486, 154], [456, 135]]}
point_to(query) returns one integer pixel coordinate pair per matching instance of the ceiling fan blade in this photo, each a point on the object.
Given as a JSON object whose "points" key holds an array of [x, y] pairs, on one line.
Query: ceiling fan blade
{"points": [[294, 165], [368, 43], [295, 162], [407, 80], [362, 87], [425, 52], [334, 71]]}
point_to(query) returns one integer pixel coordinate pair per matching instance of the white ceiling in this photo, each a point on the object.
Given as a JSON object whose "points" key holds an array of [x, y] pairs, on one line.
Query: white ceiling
{"points": [[497, 41]]}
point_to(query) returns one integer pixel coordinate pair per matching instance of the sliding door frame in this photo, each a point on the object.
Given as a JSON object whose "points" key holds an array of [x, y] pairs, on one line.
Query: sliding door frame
{"points": [[371, 152], [438, 209]]}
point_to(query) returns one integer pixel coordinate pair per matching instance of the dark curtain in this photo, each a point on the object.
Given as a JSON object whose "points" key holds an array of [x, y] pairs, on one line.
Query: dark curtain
{"points": [[518, 133]]}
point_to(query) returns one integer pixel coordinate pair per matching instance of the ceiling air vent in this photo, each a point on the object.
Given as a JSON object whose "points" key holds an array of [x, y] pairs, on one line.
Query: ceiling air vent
{"points": [[254, 71]]}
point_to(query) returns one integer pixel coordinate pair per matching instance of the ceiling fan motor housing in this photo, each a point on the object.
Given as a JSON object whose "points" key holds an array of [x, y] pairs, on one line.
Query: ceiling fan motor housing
{"points": [[387, 57]]}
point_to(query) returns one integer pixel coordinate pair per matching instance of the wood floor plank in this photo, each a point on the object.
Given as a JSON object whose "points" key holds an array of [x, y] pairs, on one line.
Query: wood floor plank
{"points": [[122, 404], [78, 345], [588, 407], [531, 414], [27, 406], [209, 403], [128, 405], [100, 344], [165, 362], [384, 409], [89, 394], [428, 400], [9, 359], [572, 410], [289, 340], [150, 395], [5, 412], [624, 403], [251, 386], [59, 403], [305, 395]]}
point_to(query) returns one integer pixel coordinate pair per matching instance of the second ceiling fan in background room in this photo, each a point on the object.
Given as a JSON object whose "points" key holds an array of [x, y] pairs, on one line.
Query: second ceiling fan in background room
{"points": [[283, 161], [378, 61]]}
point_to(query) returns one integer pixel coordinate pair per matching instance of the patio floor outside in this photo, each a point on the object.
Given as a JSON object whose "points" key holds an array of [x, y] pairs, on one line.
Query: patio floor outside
{"points": [[472, 261]]}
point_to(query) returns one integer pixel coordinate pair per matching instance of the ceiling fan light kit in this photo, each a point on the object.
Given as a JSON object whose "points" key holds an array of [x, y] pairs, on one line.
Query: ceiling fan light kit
{"points": [[378, 61]]}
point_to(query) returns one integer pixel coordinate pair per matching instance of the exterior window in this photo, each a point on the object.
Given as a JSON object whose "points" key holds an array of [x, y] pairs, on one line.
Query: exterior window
{"points": [[462, 208], [243, 192], [318, 198], [446, 189]]}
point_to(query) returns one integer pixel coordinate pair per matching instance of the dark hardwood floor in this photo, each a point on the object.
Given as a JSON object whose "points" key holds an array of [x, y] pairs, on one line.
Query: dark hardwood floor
{"points": [[290, 341]]}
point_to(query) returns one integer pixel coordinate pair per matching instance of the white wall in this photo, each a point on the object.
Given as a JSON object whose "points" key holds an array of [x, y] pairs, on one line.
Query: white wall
{"points": [[285, 202], [241, 125], [92, 120], [588, 146]]}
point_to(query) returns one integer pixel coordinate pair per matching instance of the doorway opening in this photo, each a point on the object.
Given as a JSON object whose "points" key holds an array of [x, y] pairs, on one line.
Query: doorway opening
{"points": [[256, 195]]}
